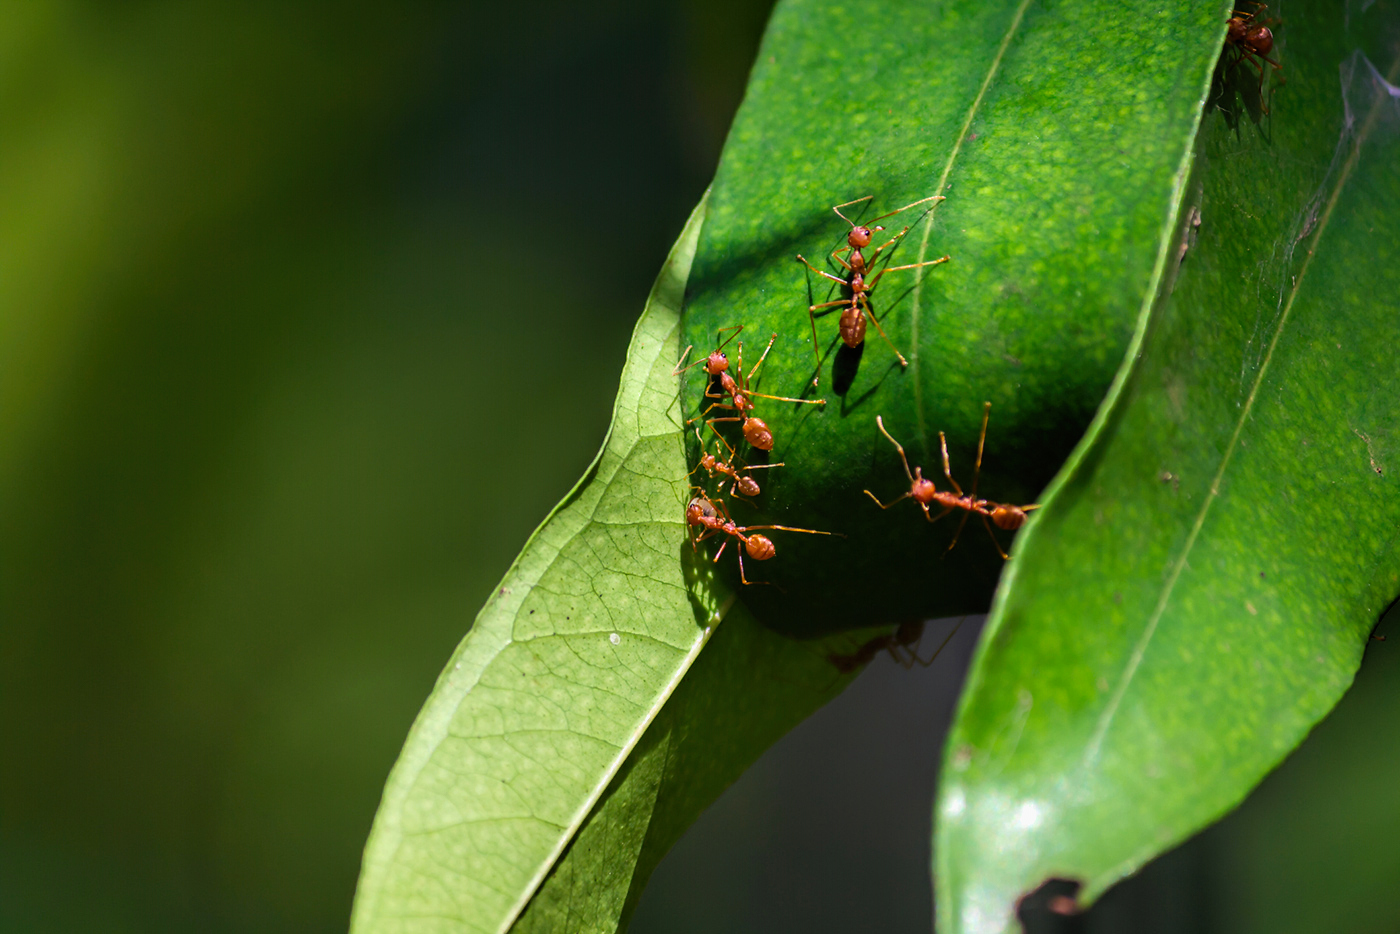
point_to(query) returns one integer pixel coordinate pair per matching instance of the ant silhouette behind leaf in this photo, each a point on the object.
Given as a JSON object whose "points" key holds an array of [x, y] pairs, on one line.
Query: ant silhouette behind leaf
{"points": [[923, 491], [711, 517], [902, 644]]}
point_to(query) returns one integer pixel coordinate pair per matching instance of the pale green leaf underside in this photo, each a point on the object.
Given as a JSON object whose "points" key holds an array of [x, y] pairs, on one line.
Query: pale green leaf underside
{"points": [[565, 666]]}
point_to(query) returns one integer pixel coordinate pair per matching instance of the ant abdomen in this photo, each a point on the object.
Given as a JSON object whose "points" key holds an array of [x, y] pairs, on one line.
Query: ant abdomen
{"points": [[756, 433], [760, 547], [745, 485], [1008, 517], [852, 327]]}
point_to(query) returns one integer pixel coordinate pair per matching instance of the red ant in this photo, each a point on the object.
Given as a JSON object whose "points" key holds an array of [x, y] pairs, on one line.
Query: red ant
{"points": [[756, 431], [714, 517], [906, 637], [1253, 41], [857, 307], [742, 484], [923, 492]]}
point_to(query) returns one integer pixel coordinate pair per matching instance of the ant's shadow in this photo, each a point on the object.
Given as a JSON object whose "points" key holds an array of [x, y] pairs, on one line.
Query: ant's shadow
{"points": [[844, 368], [1235, 92]]}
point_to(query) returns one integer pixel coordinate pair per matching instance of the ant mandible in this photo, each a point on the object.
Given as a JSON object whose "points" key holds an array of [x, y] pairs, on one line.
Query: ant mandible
{"points": [[923, 492], [755, 430], [1253, 41], [906, 636], [713, 518], [857, 306], [742, 484]]}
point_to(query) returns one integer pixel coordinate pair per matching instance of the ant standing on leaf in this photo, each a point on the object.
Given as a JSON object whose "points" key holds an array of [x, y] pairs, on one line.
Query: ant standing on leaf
{"points": [[1253, 41], [742, 484], [923, 492], [738, 391], [712, 517], [857, 307]]}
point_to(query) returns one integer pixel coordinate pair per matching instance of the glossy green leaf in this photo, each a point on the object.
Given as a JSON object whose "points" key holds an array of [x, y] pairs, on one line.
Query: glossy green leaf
{"points": [[1059, 133], [1197, 591], [589, 632]]}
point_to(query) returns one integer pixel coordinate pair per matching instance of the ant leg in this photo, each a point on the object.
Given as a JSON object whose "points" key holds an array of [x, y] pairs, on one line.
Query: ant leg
{"points": [[880, 275], [820, 272], [762, 357], [931, 518], [880, 421], [907, 207], [677, 370], [890, 503], [812, 308], [876, 254], [836, 255], [838, 208], [1004, 555], [947, 468], [712, 406], [761, 395], [958, 533], [981, 440], [941, 646], [865, 309], [788, 528], [812, 317]]}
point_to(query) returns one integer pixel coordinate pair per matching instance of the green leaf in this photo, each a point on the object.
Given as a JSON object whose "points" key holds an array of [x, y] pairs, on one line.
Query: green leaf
{"points": [[1197, 591], [1060, 134], [589, 632], [745, 691]]}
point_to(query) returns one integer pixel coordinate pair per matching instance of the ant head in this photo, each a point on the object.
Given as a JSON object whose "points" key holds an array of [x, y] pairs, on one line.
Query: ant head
{"points": [[756, 433], [1008, 517], [717, 363], [923, 490], [859, 238], [1235, 29], [699, 506], [707, 460], [1260, 39], [759, 547]]}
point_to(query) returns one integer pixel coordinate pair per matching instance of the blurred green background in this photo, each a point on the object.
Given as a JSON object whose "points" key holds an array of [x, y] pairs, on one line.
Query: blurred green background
{"points": [[308, 315]]}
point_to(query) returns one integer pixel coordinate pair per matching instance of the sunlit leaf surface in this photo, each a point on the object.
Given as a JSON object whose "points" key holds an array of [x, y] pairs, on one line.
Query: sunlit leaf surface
{"points": [[1197, 592]]}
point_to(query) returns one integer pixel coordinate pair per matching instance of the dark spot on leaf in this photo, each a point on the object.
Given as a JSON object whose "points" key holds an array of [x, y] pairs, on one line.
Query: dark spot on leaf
{"points": [[1051, 908]]}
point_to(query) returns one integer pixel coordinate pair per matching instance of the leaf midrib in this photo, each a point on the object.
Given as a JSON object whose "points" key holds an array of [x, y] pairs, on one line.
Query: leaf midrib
{"points": [[1140, 650], [928, 219]]}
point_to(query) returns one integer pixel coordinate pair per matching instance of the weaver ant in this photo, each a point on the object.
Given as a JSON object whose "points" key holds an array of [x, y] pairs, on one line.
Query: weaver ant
{"points": [[756, 431], [857, 310], [742, 484], [713, 516], [906, 637], [923, 492], [1253, 41]]}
